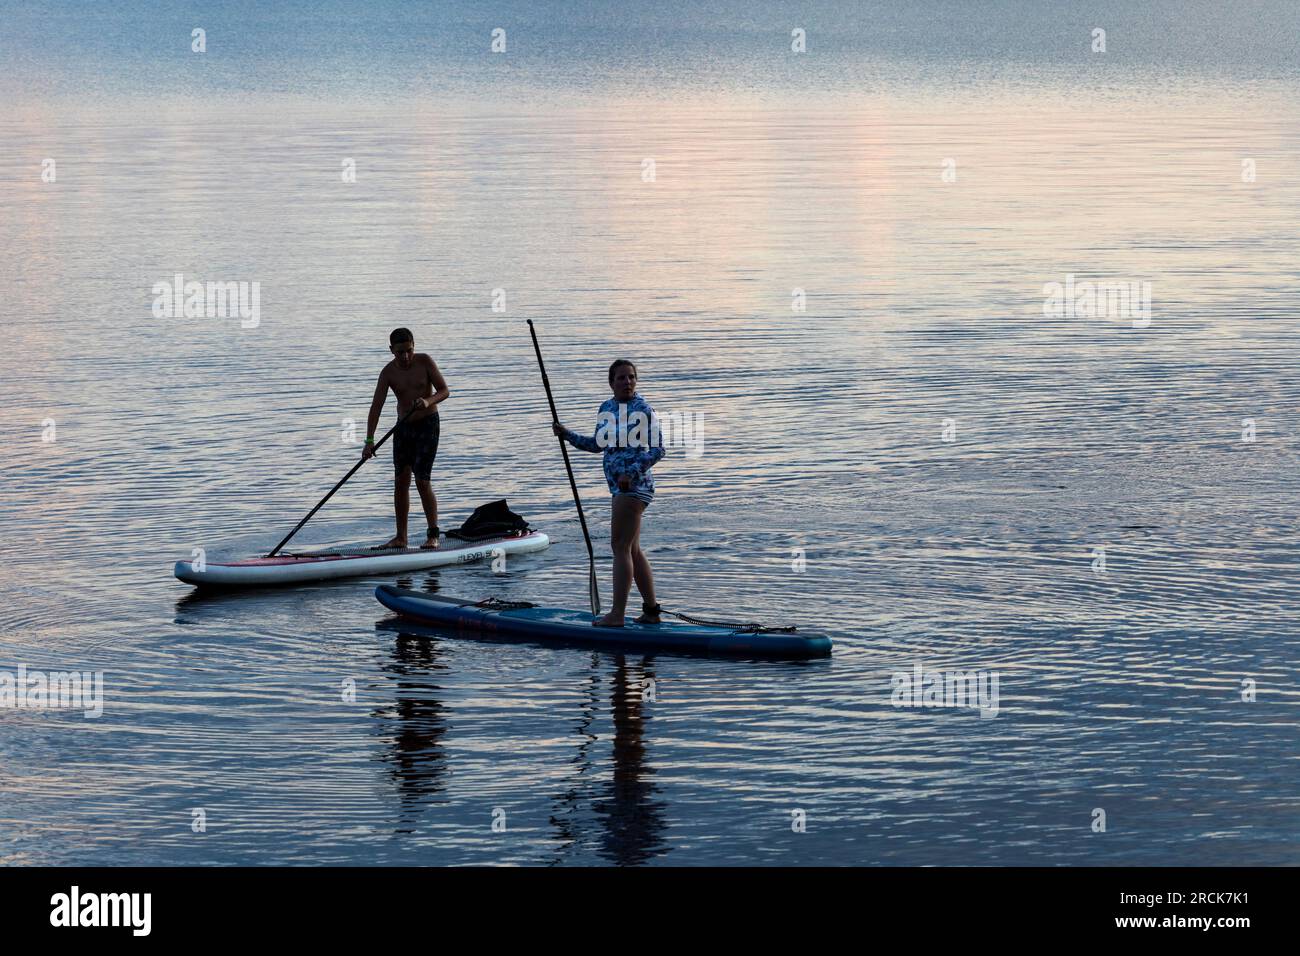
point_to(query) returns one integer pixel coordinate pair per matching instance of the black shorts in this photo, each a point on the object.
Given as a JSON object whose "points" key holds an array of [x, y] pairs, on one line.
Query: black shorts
{"points": [[415, 446]]}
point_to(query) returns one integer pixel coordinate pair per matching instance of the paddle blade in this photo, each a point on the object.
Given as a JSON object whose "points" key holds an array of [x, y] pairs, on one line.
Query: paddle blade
{"points": [[594, 592]]}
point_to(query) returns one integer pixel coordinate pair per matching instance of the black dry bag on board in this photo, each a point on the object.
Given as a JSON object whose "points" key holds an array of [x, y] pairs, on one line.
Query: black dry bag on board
{"points": [[492, 520]]}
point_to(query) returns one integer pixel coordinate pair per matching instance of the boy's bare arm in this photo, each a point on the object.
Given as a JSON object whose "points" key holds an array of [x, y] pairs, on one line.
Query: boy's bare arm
{"points": [[440, 391], [377, 405]]}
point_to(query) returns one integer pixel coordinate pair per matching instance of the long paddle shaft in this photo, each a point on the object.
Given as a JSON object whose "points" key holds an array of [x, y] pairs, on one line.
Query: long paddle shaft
{"points": [[298, 526], [592, 591]]}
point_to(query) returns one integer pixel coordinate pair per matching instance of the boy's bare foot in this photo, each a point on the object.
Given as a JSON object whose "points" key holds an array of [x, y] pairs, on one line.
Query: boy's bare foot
{"points": [[431, 542], [395, 542], [609, 620]]}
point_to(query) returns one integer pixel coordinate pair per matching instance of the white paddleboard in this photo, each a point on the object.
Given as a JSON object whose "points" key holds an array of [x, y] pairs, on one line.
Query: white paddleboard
{"points": [[344, 563]]}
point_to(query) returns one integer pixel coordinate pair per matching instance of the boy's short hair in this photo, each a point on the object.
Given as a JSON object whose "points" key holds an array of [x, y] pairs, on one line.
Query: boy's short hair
{"points": [[619, 363], [400, 335]]}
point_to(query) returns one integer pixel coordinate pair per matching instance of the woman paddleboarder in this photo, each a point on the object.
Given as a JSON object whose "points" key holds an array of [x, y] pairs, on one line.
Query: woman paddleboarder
{"points": [[627, 432]]}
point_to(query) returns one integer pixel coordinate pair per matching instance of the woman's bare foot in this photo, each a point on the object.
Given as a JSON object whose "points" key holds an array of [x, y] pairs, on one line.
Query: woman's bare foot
{"points": [[431, 542], [609, 620], [397, 541]]}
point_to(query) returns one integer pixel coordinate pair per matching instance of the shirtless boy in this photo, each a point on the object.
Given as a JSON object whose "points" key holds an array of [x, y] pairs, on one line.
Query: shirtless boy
{"points": [[417, 383]]}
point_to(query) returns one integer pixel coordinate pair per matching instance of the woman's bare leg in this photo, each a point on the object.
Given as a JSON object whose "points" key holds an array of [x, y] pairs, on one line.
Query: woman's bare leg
{"points": [[645, 581], [624, 530]]}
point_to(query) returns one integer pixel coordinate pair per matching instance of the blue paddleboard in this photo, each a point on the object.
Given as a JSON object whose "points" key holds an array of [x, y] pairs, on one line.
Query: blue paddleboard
{"points": [[574, 627]]}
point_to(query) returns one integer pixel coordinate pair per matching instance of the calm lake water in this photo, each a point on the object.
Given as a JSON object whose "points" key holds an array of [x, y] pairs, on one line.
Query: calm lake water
{"points": [[899, 446]]}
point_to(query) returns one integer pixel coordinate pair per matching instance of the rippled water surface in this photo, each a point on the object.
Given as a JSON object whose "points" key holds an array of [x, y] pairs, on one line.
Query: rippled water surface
{"points": [[1101, 514]]}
